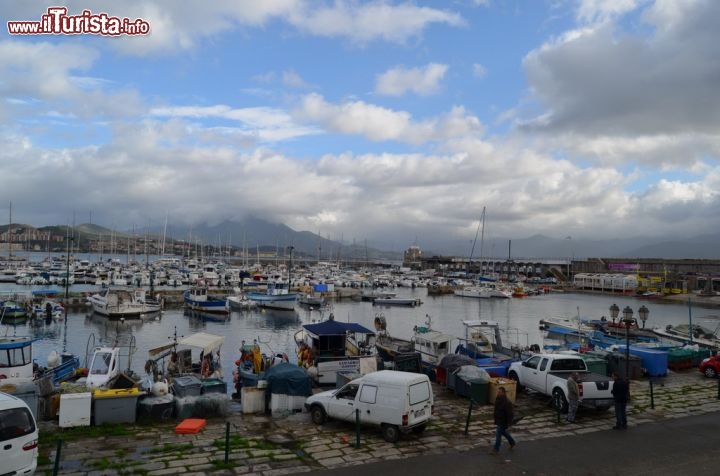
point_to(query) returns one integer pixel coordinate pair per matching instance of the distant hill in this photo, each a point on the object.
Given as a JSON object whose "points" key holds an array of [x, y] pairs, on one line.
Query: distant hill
{"points": [[253, 233]]}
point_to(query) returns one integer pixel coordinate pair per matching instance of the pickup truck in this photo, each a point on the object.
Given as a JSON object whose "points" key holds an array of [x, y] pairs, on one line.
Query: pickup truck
{"points": [[548, 374]]}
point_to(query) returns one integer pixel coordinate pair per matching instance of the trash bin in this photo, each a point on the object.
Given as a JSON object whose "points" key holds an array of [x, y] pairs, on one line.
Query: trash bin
{"points": [[617, 364], [497, 382], [479, 391]]}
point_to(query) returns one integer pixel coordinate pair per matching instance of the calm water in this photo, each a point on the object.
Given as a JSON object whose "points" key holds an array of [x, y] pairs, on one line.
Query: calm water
{"points": [[275, 329]]}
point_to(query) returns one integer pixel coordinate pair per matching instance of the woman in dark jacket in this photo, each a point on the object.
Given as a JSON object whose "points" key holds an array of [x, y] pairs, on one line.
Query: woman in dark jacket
{"points": [[503, 419]]}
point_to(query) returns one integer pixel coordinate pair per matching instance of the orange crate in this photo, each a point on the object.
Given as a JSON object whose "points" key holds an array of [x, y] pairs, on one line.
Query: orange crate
{"points": [[190, 426]]}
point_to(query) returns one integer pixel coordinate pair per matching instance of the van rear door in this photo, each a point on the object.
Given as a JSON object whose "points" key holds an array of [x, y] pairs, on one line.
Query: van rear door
{"points": [[18, 441], [420, 399]]}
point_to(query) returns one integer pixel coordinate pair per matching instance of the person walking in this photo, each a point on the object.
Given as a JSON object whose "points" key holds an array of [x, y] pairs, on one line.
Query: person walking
{"points": [[503, 415], [621, 394], [573, 397]]}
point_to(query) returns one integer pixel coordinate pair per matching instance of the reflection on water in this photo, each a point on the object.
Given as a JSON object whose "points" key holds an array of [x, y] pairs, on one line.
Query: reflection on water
{"points": [[275, 330]]}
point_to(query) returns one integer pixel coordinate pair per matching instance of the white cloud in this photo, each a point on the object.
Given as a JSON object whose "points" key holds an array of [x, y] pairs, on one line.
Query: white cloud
{"points": [[601, 10], [399, 80], [292, 79], [382, 124], [479, 71]]}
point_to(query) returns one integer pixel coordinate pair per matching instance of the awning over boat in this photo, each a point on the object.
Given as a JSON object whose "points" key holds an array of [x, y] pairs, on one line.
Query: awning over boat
{"points": [[207, 342], [335, 328], [15, 342]]}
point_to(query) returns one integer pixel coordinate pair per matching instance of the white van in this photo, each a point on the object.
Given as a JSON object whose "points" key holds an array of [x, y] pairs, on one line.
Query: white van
{"points": [[398, 402], [18, 437]]}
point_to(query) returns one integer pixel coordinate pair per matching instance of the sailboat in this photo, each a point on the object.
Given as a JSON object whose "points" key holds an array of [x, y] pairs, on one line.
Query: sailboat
{"points": [[484, 287]]}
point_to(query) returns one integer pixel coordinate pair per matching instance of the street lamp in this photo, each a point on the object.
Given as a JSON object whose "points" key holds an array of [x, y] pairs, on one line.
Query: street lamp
{"points": [[643, 313], [627, 320], [614, 311]]}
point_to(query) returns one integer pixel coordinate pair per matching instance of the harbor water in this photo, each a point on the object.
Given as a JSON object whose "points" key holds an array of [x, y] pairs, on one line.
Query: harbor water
{"points": [[275, 330]]}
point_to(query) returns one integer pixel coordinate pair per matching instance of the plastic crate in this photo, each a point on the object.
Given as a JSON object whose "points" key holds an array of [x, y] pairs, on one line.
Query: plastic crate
{"points": [[186, 386]]}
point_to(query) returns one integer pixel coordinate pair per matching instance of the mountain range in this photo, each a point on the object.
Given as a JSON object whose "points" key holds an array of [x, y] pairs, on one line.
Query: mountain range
{"points": [[252, 233]]}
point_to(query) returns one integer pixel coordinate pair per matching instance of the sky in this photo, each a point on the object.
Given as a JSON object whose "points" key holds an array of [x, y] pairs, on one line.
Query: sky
{"points": [[390, 121]]}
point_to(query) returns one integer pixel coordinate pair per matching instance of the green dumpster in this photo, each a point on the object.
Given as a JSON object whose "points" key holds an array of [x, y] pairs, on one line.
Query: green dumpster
{"points": [[596, 365], [479, 391]]}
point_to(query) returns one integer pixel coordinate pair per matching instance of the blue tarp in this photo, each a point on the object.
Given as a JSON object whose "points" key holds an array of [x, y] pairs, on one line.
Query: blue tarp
{"points": [[335, 328], [320, 288], [288, 379], [45, 292]]}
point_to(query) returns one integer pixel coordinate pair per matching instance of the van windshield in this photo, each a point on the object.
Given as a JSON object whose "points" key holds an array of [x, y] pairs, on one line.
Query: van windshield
{"points": [[419, 392], [15, 422]]}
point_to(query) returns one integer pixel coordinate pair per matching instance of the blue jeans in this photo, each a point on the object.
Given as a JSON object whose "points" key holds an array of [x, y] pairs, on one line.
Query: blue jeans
{"points": [[620, 414], [501, 431]]}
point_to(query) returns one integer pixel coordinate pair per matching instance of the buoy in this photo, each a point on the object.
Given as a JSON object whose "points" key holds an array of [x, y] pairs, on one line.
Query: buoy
{"points": [[53, 359]]}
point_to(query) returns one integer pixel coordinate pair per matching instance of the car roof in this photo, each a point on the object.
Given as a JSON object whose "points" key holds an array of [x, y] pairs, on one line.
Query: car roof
{"points": [[10, 401]]}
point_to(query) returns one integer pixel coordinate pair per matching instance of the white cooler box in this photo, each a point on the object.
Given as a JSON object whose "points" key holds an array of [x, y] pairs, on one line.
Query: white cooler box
{"points": [[75, 409], [280, 402]]}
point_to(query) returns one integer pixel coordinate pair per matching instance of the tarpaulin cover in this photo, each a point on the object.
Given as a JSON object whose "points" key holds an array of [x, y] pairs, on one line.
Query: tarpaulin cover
{"points": [[288, 379], [452, 362], [329, 328]]}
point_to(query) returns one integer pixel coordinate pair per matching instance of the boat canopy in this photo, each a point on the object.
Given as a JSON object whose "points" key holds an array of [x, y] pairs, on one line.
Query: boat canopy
{"points": [[207, 342], [335, 328], [45, 292], [479, 323], [15, 342]]}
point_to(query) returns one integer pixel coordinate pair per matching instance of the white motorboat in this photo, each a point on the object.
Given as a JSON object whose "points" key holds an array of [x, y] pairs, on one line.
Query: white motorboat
{"points": [[122, 303]]}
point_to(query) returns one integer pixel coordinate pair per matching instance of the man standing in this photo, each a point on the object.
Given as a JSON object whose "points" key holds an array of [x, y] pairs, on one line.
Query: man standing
{"points": [[573, 397], [503, 419], [621, 394]]}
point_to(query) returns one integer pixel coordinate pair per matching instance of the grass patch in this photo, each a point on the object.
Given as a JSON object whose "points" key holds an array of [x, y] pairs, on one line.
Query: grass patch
{"points": [[221, 464], [172, 448], [82, 432], [238, 442]]}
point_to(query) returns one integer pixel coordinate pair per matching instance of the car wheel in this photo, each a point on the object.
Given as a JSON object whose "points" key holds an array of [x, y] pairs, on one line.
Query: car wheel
{"points": [[559, 401], [710, 372], [391, 433], [318, 415]]}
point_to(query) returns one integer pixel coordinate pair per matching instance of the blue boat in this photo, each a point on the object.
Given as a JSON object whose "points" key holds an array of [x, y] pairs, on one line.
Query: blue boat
{"points": [[198, 299]]}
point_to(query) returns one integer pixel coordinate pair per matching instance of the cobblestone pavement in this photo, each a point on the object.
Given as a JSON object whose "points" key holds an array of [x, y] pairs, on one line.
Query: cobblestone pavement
{"points": [[291, 443]]}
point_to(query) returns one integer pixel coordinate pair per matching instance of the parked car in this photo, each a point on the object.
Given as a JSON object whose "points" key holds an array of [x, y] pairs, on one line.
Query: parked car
{"points": [[397, 402], [548, 374], [710, 367], [18, 437]]}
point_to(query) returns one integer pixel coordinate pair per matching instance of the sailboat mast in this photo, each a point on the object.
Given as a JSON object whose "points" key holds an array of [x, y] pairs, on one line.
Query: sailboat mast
{"points": [[10, 235]]}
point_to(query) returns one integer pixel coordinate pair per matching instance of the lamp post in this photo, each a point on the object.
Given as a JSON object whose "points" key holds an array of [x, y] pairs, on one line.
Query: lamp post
{"points": [[627, 320], [614, 311], [643, 313]]}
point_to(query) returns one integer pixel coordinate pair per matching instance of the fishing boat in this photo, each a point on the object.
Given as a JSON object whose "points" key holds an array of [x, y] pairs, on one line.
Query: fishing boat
{"points": [[692, 334], [337, 347], [240, 302], [122, 303], [12, 312], [198, 299], [389, 348], [277, 296], [396, 301], [18, 366], [483, 342]]}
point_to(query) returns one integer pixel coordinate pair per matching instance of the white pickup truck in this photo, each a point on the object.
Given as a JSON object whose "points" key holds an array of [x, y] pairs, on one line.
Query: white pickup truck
{"points": [[548, 374]]}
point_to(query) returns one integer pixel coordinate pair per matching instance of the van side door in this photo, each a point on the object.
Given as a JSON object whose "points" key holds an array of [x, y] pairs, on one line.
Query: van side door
{"points": [[367, 404], [342, 405]]}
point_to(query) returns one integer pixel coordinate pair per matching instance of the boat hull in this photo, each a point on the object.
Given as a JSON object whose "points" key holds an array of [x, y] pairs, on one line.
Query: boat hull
{"points": [[269, 301]]}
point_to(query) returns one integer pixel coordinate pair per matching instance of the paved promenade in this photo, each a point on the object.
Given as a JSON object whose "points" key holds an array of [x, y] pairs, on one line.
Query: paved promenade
{"points": [[678, 436]]}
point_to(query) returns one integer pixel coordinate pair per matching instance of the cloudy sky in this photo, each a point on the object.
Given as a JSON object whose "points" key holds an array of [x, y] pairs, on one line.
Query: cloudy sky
{"points": [[379, 120]]}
